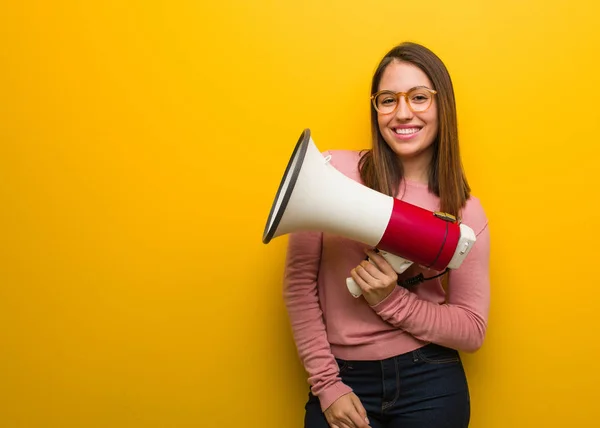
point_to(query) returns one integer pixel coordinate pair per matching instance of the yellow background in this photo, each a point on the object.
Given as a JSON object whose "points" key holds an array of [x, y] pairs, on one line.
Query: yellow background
{"points": [[141, 145]]}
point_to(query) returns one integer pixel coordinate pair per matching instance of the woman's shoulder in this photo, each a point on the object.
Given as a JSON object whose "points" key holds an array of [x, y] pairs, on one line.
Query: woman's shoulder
{"points": [[345, 161], [473, 215]]}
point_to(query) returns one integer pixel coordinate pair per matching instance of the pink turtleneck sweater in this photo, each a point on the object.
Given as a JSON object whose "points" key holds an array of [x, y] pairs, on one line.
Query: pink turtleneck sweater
{"points": [[327, 322]]}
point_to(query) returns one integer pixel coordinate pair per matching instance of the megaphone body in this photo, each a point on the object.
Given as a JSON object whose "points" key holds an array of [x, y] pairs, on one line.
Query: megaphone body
{"points": [[314, 196]]}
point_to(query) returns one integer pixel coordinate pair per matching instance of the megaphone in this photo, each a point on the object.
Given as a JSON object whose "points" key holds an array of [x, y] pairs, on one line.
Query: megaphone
{"points": [[315, 196]]}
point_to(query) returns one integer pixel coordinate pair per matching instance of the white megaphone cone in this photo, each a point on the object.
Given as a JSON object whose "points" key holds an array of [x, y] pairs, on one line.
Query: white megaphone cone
{"points": [[314, 196]]}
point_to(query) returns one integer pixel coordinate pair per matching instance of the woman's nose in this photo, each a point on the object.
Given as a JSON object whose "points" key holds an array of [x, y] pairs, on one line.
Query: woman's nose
{"points": [[403, 111]]}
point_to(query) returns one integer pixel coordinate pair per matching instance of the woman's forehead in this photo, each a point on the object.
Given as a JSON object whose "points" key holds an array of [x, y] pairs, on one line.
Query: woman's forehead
{"points": [[403, 76]]}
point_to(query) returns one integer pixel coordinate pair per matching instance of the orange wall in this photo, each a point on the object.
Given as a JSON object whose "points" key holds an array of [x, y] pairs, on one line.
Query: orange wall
{"points": [[141, 145]]}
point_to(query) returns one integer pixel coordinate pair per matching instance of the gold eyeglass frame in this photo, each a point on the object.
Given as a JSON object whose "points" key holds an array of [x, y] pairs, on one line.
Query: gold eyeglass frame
{"points": [[405, 95]]}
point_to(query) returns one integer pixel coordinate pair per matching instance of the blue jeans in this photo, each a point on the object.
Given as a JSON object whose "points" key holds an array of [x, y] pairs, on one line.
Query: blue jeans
{"points": [[425, 388]]}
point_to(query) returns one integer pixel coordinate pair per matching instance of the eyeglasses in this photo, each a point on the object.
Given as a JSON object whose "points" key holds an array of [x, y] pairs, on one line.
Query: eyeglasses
{"points": [[417, 99]]}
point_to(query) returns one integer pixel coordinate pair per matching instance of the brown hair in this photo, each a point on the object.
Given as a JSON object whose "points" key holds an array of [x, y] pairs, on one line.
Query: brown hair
{"points": [[379, 166]]}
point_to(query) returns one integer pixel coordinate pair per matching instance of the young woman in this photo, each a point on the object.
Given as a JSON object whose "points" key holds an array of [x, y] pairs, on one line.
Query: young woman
{"points": [[390, 357]]}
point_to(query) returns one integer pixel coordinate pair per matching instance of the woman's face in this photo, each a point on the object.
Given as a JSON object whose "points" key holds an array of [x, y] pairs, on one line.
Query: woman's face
{"points": [[410, 135]]}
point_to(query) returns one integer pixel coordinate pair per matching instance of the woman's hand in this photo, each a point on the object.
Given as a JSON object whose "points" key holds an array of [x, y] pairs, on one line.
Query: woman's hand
{"points": [[347, 412], [377, 279]]}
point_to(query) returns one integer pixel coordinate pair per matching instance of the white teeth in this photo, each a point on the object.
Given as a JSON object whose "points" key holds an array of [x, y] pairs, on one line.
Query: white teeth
{"points": [[406, 130]]}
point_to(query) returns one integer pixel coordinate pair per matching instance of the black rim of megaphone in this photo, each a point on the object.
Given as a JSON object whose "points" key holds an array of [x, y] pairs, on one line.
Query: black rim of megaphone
{"points": [[299, 152]]}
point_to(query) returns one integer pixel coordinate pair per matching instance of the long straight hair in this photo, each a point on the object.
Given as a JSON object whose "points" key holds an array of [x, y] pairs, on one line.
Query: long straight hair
{"points": [[379, 166]]}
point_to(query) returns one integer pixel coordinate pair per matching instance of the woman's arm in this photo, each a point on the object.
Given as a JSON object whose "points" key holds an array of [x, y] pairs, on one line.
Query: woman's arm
{"points": [[302, 302], [461, 322]]}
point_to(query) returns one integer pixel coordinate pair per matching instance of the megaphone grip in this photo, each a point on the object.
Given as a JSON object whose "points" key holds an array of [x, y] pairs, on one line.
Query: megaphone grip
{"points": [[398, 264]]}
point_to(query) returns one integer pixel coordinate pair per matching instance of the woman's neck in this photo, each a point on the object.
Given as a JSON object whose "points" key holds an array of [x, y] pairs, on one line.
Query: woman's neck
{"points": [[416, 168]]}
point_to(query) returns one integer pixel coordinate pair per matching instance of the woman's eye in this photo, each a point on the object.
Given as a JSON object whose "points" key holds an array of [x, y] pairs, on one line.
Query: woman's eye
{"points": [[388, 101], [420, 98]]}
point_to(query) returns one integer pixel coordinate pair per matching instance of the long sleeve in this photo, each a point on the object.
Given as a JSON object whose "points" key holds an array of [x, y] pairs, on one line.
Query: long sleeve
{"points": [[306, 317], [460, 323]]}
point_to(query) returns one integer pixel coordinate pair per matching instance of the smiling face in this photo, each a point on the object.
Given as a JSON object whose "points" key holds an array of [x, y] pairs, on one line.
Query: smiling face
{"points": [[410, 135]]}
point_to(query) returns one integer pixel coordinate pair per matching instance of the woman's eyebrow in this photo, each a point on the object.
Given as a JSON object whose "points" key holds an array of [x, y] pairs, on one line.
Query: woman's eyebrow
{"points": [[413, 88], [419, 87]]}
